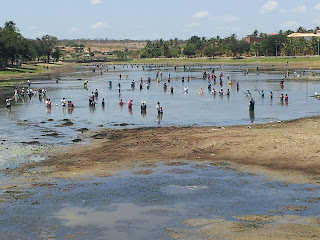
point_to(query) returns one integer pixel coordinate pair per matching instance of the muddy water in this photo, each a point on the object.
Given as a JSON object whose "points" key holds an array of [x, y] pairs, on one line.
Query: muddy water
{"points": [[144, 206]]}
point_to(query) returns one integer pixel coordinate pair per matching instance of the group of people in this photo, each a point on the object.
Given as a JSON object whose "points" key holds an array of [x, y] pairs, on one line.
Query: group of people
{"points": [[284, 97], [92, 98], [65, 103], [94, 95], [143, 106]]}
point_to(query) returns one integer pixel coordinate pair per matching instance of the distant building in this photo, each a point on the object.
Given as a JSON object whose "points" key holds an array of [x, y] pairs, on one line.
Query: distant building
{"points": [[252, 40], [306, 36], [67, 49]]}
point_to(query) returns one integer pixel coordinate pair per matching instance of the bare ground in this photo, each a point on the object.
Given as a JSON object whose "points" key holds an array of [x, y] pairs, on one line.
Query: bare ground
{"points": [[288, 151]]}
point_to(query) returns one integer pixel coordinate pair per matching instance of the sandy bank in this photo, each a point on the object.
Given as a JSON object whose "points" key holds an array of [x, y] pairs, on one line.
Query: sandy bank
{"points": [[289, 149]]}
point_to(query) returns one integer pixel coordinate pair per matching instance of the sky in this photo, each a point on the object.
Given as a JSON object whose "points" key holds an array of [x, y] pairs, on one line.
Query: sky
{"points": [[151, 20]]}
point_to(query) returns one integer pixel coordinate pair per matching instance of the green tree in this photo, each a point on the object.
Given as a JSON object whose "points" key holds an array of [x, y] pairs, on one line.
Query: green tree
{"points": [[301, 30], [189, 50], [243, 47], [196, 43], [209, 51], [255, 48], [56, 54], [11, 42], [255, 33], [47, 44]]}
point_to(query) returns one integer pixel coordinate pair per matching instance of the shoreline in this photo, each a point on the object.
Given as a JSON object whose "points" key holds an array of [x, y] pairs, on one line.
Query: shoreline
{"points": [[284, 151], [61, 67]]}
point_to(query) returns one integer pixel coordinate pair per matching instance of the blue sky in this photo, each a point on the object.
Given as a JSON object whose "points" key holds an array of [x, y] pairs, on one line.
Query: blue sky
{"points": [[149, 19]]}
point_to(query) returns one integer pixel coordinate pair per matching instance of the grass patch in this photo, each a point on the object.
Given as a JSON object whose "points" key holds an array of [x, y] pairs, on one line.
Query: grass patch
{"points": [[23, 69]]}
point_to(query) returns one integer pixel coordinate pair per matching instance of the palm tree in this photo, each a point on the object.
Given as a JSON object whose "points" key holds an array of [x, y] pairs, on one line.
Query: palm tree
{"points": [[255, 33]]}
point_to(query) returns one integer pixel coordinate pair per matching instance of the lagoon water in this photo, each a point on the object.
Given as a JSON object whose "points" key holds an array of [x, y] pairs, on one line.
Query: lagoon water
{"points": [[29, 121]]}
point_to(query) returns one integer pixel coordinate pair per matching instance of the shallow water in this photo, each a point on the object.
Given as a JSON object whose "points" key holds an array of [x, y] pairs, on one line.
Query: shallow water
{"points": [[133, 206], [29, 121]]}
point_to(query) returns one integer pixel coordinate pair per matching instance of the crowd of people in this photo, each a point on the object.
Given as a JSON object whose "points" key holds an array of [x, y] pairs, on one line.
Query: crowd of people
{"points": [[209, 76]]}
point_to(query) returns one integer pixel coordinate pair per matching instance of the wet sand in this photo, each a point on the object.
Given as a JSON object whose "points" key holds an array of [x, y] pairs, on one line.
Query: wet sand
{"points": [[288, 151]]}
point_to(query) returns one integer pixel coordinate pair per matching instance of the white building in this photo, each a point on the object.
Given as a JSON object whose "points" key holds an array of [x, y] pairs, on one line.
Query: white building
{"points": [[306, 36]]}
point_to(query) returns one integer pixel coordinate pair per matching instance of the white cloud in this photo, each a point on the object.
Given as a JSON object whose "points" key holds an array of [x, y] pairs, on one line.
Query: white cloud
{"points": [[95, 2], [191, 25], [299, 9], [203, 14], [224, 18], [290, 25], [317, 7], [269, 6], [99, 25]]}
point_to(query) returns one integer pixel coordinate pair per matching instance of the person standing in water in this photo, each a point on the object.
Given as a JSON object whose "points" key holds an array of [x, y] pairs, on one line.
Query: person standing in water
{"points": [[158, 107], [130, 103], [251, 104], [63, 102], [143, 106], [262, 93], [281, 97], [8, 102]]}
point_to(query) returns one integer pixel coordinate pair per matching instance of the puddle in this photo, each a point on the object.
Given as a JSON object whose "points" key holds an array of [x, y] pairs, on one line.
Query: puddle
{"points": [[150, 206], [123, 220]]}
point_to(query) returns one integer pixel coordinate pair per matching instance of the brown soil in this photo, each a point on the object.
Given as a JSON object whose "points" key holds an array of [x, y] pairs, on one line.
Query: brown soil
{"points": [[251, 227], [290, 150]]}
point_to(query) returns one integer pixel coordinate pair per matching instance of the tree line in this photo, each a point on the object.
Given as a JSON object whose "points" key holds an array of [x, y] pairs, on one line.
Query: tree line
{"points": [[265, 45], [14, 48]]}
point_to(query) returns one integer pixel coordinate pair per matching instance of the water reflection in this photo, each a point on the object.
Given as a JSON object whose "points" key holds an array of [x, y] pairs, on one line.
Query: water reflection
{"points": [[143, 113], [70, 110], [159, 117], [251, 115], [8, 111], [122, 221]]}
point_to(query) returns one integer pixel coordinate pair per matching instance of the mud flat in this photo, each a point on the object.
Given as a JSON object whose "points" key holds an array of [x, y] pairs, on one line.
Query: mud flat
{"points": [[285, 150]]}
